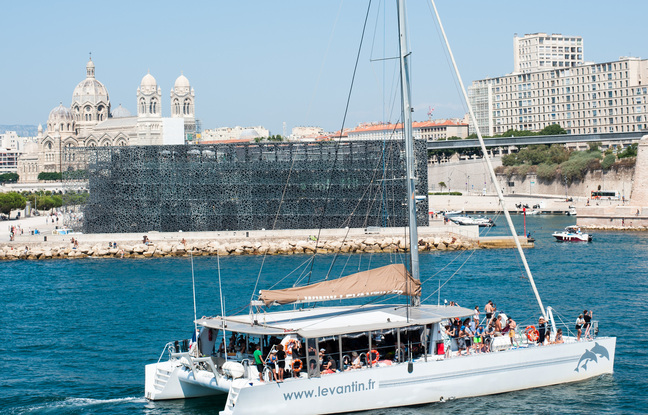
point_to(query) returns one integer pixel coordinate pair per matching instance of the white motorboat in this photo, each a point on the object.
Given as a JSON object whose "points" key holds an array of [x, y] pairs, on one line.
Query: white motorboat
{"points": [[572, 234], [480, 221], [367, 356]]}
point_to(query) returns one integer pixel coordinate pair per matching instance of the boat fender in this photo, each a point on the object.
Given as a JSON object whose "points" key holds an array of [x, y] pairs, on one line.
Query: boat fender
{"points": [[296, 365], [233, 370], [532, 333], [372, 352]]}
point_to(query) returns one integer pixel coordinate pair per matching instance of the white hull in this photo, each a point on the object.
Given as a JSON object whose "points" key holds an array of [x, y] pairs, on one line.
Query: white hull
{"points": [[431, 381], [173, 380], [571, 237]]}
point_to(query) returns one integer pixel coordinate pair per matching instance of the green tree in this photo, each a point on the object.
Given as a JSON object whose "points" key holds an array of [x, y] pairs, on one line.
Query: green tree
{"points": [[9, 178], [518, 133], [630, 151], [553, 129], [48, 176], [442, 185], [11, 201]]}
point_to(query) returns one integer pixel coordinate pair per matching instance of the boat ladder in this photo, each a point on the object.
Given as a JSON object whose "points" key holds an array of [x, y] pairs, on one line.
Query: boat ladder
{"points": [[231, 397], [162, 376]]}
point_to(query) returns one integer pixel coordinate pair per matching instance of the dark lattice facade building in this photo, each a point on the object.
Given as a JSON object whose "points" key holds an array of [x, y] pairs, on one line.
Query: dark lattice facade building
{"points": [[249, 186]]}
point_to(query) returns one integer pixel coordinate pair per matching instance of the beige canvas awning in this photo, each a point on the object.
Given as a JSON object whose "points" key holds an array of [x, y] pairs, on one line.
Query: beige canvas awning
{"points": [[390, 279]]}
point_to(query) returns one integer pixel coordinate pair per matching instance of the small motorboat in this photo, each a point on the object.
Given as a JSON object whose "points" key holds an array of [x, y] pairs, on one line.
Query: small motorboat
{"points": [[572, 234], [480, 221]]}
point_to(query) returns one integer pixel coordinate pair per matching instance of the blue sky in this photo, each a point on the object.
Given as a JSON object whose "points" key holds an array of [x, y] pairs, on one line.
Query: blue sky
{"points": [[269, 62]]}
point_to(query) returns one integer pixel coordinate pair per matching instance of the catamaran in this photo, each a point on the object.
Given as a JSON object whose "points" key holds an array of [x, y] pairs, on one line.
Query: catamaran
{"points": [[370, 356]]}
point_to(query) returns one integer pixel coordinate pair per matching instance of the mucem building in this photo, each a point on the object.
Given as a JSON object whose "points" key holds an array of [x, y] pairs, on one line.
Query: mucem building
{"points": [[248, 186]]}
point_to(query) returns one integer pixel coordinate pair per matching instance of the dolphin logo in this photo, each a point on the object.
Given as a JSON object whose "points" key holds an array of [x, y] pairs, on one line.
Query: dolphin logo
{"points": [[587, 357], [600, 351]]}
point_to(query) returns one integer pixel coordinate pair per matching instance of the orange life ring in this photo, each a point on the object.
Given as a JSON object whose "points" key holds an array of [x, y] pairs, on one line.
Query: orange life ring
{"points": [[374, 361], [296, 365], [532, 333]]}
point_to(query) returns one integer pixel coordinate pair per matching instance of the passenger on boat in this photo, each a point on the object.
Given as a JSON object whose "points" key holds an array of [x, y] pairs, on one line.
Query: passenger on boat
{"points": [[511, 330], [488, 336], [580, 322], [329, 366], [542, 327], [258, 360], [322, 355], [468, 335], [547, 340], [461, 340], [559, 337], [272, 364], [498, 327], [488, 308], [478, 339], [281, 363], [356, 363], [476, 314], [587, 316]]}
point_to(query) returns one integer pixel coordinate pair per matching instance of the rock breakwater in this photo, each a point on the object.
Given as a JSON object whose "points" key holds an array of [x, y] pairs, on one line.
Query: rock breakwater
{"points": [[33, 251]]}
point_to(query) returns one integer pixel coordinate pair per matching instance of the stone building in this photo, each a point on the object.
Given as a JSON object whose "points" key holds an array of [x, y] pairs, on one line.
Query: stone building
{"points": [[89, 122]]}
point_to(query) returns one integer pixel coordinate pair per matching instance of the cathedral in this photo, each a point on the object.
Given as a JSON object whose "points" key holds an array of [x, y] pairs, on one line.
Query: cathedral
{"points": [[89, 122]]}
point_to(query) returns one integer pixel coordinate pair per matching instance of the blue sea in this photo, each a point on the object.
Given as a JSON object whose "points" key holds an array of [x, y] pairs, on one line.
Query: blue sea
{"points": [[75, 334]]}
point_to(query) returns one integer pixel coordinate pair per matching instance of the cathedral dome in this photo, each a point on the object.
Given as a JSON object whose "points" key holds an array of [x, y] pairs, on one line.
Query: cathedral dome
{"points": [[181, 84], [60, 113], [90, 91], [149, 81], [121, 112]]}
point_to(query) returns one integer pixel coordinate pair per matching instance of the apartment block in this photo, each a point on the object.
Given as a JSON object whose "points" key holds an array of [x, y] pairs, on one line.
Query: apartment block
{"points": [[588, 98]]}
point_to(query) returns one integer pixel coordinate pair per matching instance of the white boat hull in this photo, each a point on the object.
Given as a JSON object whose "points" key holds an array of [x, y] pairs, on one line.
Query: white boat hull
{"points": [[571, 237], [431, 381], [173, 380]]}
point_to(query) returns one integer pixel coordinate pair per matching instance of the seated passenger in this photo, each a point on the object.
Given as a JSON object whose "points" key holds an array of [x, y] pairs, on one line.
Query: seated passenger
{"points": [[329, 365], [356, 363], [498, 327], [559, 337], [547, 339]]}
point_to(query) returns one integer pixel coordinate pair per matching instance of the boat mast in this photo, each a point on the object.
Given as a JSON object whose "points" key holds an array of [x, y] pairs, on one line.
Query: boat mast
{"points": [[500, 195], [410, 172]]}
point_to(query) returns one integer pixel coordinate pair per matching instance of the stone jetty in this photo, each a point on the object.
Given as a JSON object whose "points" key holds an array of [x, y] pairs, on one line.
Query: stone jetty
{"points": [[439, 236], [369, 244]]}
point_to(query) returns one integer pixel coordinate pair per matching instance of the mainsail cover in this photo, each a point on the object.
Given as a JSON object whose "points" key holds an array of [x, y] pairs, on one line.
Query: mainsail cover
{"points": [[390, 279]]}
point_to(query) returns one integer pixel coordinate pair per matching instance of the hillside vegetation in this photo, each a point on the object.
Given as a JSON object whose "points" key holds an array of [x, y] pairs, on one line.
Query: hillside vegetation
{"points": [[558, 163]]}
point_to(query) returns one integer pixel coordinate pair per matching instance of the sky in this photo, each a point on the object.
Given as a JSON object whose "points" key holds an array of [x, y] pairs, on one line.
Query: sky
{"points": [[273, 62]]}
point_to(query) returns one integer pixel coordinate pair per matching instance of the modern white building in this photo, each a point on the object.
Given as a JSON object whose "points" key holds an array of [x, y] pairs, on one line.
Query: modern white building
{"points": [[427, 130], [539, 51], [12, 146], [585, 98]]}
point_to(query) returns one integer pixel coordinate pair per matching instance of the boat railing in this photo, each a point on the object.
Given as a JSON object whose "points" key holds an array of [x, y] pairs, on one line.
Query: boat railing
{"points": [[175, 348]]}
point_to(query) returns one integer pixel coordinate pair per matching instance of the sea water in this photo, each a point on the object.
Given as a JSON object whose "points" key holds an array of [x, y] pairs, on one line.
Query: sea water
{"points": [[75, 335]]}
